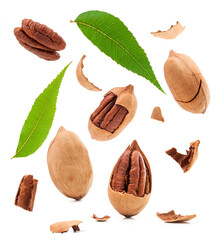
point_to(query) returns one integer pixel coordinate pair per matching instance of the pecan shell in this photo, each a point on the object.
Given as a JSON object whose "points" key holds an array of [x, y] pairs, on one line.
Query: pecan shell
{"points": [[130, 182], [114, 113], [185, 161], [26, 193]]}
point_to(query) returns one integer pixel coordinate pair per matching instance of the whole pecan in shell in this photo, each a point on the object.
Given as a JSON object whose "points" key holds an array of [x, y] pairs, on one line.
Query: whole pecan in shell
{"points": [[130, 182]]}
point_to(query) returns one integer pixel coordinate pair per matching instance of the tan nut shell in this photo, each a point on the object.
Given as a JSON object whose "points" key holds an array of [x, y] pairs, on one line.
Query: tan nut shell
{"points": [[172, 33], [125, 98], [82, 79], [128, 204], [186, 83], [69, 164]]}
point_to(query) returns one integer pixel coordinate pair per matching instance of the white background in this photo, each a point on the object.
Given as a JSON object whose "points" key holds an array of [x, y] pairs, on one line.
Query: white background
{"points": [[23, 78]]}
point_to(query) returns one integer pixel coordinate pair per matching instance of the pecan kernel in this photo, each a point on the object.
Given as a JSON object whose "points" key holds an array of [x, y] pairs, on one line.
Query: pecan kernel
{"points": [[130, 183], [129, 174], [39, 39], [108, 115], [43, 34], [114, 113]]}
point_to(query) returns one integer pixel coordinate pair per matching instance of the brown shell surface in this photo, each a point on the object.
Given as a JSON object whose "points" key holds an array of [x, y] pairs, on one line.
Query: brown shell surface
{"points": [[186, 83], [69, 164], [128, 204], [171, 217], [172, 33], [101, 219], [157, 114], [127, 99], [82, 79], [185, 161], [61, 227]]}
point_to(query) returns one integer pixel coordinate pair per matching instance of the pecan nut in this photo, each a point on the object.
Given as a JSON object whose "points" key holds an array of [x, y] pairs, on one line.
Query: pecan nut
{"points": [[39, 39], [130, 183], [113, 114]]}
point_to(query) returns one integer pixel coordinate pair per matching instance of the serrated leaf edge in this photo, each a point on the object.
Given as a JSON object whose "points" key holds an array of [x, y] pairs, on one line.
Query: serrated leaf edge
{"points": [[63, 71], [152, 78]]}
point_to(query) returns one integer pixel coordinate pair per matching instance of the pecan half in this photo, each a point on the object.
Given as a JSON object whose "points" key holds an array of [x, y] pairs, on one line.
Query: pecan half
{"points": [[185, 161], [109, 115], [130, 174], [39, 39], [43, 34], [47, 55], [26, 193], [24, 38]]}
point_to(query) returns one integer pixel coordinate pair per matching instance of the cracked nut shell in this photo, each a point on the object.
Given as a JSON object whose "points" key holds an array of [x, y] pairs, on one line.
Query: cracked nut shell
{"points": [[69, 164], [186, 83], [130, 183], [114, 113]]}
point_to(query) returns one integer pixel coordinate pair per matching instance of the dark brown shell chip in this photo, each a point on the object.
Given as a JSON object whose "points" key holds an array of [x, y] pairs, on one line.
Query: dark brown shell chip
{"points": [[185, 161], [26, 193]]}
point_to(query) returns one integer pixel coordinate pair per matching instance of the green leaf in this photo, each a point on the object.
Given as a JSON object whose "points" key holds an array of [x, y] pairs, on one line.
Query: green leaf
{"points": [[112, 37], [40, 118]]}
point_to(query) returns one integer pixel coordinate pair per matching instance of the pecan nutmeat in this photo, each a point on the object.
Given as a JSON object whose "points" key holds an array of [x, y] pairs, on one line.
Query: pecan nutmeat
{"points": [[130, 174], [43, 34], [39, 39], [108, 115]]}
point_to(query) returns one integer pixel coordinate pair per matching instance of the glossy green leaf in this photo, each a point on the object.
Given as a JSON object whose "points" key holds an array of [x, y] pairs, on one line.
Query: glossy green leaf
{"points": [[40, 118], [112, 37]]}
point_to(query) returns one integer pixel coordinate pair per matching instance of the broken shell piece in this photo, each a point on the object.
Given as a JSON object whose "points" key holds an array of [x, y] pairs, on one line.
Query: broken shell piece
{"points": [[61, 227], [83, 80], [26, 193], [171, 217], [103, 219], [171, 33], [185, 161], [157, 114]]}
